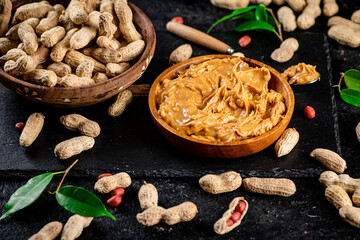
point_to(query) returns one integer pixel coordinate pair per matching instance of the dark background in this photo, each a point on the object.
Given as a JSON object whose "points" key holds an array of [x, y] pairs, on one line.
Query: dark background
{"points": [[131, 143]]}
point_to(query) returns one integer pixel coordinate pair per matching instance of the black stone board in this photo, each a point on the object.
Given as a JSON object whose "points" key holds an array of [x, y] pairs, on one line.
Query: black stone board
{"points": [[131, 143]]}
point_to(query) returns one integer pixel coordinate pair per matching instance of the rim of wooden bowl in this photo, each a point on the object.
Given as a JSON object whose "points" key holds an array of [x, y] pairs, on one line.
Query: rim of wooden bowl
{"points": [[196, 60], [148, 51]]}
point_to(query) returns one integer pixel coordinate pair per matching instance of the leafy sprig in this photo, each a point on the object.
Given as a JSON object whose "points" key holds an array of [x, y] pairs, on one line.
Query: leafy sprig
{"points": [[257, 16], [76, 200], [351, 94]]}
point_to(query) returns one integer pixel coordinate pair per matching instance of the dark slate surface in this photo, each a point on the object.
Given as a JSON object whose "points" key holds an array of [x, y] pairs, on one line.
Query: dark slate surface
{"points": [[306, 215]]}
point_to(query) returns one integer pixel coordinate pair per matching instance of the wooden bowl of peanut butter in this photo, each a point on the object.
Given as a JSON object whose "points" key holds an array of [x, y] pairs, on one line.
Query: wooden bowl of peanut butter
{"points": [[221, 106]]}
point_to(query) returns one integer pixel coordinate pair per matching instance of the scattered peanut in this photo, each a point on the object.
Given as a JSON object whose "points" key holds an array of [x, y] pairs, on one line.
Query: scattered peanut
{"points": [[307, 18], [287, 18], [32, 129], [230, 4], [351, 215], [357, 131], [356, 197], [225, 182], [19, 126], [296, 5], [5, 15], [290, 43], [180, 54], [329, 159], [244, 41], [309, 112], [337, 20], [178, 20], [184, 212], [337, 196], [107, 184], [122, 100], [286, 142], [330, 8], [77, 122], [282, 55], [270, 186], [355, 17], [343, 180], [222, 226], [74, 227], [148, 196], [73, 146], [345, 35], [49, 232]]}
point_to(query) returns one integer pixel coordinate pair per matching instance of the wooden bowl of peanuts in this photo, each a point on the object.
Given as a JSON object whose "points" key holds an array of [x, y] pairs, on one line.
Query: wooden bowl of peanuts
{"points": [[72, 54], [221, 106]]}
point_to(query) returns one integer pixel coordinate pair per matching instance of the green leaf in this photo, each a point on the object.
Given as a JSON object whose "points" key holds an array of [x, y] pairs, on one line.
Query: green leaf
{"points": [[81, 201], [248, 16], [352, 79], [260, 13], [27, 194], [231, 15], [270, 19], [350, 96], [254, 24]]}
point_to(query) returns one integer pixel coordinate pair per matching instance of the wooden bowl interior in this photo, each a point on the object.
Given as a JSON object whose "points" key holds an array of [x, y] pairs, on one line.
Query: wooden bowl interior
{"points": [[87, 95], [221, 149]]}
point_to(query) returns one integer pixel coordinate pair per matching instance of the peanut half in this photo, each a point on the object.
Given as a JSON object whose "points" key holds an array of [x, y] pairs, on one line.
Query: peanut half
{"points": [[270, 186], [225, 182], [286, 142], [329, 159], [337, 196], [32, 129], [222, 226]]}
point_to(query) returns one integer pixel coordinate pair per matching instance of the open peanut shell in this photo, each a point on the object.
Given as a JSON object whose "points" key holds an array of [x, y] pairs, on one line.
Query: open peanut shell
{"points": [[220, 227]]}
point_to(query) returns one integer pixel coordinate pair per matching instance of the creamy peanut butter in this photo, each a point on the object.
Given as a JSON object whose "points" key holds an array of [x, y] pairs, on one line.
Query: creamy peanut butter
{"points": [[301, 74], [220, 100]]}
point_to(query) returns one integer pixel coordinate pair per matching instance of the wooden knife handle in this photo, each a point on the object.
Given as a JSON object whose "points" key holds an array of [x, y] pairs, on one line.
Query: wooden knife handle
{"points": [[198, 37]]}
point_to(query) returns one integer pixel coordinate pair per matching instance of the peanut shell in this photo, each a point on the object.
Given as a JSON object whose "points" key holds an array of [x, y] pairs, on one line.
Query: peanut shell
{"points": [[286, 142], [270, 186], [337, 196], [225, 182], [329, 159]]}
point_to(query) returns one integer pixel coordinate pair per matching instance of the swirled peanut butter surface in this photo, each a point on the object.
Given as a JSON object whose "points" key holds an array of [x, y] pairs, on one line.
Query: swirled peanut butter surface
{"points": [[220, 100], [301, 74]]}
